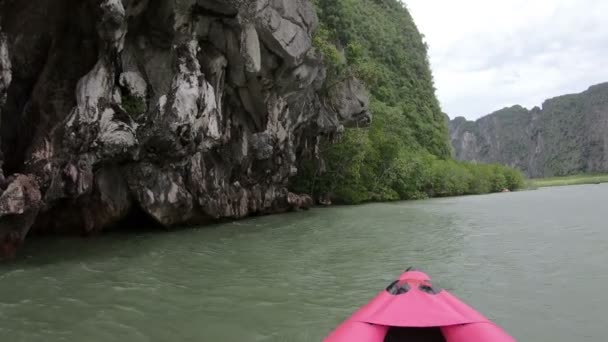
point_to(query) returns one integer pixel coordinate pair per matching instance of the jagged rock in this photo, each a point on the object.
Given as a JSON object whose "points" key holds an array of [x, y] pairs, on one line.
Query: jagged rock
{"points": [[19, 206], [5, 68], [350, 100], [134, 83], [112, 27], [250, 46], [566, 136], [286, 26], [161, 193], [20, 195], [186, 111], [262, 145], [5, 81], [299, 201]]}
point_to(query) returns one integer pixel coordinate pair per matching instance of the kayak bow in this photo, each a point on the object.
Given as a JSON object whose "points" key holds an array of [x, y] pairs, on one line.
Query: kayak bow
{"points": [[411, 309]]}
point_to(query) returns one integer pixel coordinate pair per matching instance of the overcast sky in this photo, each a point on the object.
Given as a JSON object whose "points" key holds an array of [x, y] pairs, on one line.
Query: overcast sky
{"points": [[489, 54]]}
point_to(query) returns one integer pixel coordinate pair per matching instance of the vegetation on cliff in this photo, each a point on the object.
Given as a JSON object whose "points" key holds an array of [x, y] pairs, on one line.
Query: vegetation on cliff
{"points": [[405, 154], [567, 136]]}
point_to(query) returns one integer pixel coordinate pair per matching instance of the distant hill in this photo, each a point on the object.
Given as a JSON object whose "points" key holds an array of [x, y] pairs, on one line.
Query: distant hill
{"points": [[568, 135]]}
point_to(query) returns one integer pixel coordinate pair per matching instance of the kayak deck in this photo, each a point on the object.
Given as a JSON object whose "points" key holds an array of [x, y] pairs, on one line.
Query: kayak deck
{"points": [[411, 309]]}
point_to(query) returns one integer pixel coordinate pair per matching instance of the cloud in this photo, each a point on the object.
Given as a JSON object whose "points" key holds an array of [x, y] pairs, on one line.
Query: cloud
{"points": [[487, 55]]}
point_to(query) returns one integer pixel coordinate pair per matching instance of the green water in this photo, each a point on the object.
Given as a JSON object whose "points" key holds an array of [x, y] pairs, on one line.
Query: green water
{"points": [[536, 262]]}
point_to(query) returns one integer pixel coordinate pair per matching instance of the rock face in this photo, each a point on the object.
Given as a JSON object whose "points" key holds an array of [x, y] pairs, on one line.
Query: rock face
{"points": [[567, 136], [187, 111]]}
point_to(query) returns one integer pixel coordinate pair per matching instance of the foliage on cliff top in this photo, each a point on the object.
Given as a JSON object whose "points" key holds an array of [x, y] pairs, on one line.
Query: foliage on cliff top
{"points": [[377, 41], [405, 153]]}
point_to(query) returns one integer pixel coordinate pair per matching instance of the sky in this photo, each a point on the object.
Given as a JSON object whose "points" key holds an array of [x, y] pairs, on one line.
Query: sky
{"points": [[489, 54]]}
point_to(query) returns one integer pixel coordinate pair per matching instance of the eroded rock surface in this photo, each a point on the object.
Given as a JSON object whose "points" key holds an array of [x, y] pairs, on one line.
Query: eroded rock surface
{"points": [[566, 136], [186, 110]]}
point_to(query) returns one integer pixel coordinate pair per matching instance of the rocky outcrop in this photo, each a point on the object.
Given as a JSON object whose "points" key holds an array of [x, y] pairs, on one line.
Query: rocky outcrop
{"points": [[187, 111], [566, 136]]}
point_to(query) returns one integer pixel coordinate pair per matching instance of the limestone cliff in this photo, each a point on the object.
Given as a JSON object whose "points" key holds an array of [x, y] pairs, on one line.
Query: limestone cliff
{"points": [[184, 111], [566, 136]]}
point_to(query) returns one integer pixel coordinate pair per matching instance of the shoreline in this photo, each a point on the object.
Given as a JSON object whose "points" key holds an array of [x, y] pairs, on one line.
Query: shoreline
{"points": [[566, 181]]}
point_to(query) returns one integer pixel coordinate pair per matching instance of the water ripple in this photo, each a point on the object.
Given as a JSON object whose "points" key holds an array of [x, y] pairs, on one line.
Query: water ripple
{"points": [[518, 258]]}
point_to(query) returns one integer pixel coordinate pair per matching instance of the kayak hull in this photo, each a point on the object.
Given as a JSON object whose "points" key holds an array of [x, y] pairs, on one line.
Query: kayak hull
{"points": [[412, 306], [476, 332]]}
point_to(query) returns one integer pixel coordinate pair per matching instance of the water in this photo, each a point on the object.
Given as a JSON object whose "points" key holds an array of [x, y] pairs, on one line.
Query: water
{"points": [[535, 262]]}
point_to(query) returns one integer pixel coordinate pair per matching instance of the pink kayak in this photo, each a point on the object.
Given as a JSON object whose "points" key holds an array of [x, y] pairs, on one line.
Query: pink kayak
{"points": [[412, 310]]}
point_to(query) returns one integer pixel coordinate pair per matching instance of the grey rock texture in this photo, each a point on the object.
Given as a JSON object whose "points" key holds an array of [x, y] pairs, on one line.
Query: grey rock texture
{"points": [[568, 135], [186, 111]]}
